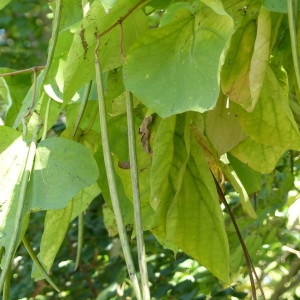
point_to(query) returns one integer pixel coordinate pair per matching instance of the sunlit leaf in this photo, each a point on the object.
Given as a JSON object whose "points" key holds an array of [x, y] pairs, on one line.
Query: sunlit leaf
{"points": [[174, 68], [12, 162]]}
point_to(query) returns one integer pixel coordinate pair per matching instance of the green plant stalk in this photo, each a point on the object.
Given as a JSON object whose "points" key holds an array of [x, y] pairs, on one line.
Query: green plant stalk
{"points": [[136, 198], [45, 129], [55, 32], [292, 13], [82, 107], [11, 249], [80, 240], [111, 177], [38, 263], [6, 289]]}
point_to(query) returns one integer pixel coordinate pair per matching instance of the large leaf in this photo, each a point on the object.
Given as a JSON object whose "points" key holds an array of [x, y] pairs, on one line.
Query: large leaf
{"points": [[62, 168], [80, 64], [174, 68], [184, 197]]}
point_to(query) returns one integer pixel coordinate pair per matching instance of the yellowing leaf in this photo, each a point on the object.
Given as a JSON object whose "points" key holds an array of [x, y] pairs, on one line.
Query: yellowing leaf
{"points": [[260, 157], [271, 122], [185, 199], [260, 57], [235, 71]]}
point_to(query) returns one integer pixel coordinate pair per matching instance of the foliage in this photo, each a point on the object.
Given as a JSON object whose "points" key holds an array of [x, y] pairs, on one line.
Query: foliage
{"points": [[215, 99], [25, 33]]}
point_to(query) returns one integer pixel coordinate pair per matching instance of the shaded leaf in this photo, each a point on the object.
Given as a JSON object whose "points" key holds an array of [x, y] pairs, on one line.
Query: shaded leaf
{"points": [[181, 76], [251, 179], [222, 127], [62, 168]]}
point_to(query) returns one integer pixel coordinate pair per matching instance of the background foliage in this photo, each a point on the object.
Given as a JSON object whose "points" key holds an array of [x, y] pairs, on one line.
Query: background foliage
{"points": [[173, 54]]}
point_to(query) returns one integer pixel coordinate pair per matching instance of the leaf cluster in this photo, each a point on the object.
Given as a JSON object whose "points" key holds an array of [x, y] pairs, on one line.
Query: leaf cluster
{"points": [[215, 100]]}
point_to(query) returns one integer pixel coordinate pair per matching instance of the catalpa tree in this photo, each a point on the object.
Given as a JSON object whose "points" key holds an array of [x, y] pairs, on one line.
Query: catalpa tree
{"points": [[164, 101]]}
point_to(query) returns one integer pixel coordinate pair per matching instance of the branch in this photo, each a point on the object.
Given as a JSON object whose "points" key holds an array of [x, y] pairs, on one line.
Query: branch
{"points": [[281, 286]]}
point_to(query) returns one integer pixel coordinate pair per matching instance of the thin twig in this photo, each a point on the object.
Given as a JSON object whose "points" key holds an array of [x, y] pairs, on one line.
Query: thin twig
{"points": [[250, 267], [33, 69], [123, 18]]}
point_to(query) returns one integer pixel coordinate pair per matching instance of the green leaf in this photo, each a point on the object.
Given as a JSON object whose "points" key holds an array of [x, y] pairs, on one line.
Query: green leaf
{"points": [[80, 64], [233, 178], [62, 168], [3, 3], [12, 91], [56, 225], [251, 179], [55, 228], [184, 197], [276, 5], [168, 68], [12, 161], [108, 4]]}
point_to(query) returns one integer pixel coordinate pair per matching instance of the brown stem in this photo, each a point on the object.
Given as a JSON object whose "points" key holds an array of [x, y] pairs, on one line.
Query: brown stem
{"points": [[122, 19], [281, 286], [250, 267]]}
